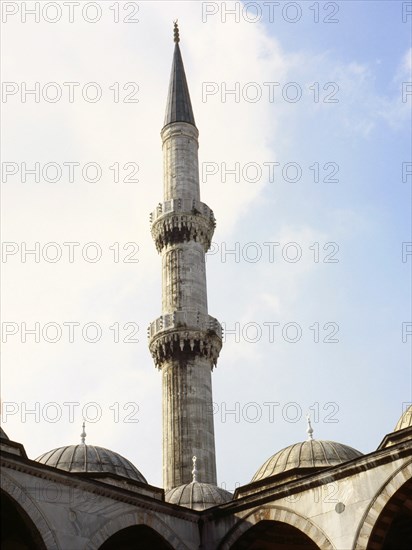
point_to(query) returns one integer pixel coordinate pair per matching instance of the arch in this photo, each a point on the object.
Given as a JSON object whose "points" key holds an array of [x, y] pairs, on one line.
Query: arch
{"points": [[26, 504], [132, 519], [280, 515], [391, 486], [136, 536]]}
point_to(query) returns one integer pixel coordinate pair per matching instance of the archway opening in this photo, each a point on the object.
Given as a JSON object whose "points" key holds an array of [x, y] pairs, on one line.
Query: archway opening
{"points": [[136, 536], [274, 535], [393, 528], [18, 532]]}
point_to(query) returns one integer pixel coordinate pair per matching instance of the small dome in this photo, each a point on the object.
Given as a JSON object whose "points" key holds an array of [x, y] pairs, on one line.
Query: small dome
{"points": [[405, 420], [198, 496], [91, 459], [311, 454]]}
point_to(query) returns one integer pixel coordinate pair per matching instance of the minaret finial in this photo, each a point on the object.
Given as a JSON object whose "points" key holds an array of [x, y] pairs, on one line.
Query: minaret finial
{"points": [[83, 434], [194, 471], [309, 429], [176, 31]]}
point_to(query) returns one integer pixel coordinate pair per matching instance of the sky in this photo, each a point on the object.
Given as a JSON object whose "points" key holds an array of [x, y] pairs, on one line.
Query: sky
{"points": [[303, 110]]}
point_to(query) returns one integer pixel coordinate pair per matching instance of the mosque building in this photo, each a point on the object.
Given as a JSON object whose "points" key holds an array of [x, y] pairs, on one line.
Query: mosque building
{"points": [[314, 494]]}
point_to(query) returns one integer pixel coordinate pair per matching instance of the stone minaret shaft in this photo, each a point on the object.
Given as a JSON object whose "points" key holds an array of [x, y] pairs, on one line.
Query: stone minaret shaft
{"points": [[185, 341]]}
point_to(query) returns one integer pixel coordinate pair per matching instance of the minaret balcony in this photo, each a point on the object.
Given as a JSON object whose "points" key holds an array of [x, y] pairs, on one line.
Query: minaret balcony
{"points": [[180, 220], [183, 333]]}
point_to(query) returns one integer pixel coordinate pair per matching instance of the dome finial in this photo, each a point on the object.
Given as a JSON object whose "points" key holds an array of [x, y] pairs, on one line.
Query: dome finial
{"points": [[83, 434], [309, 429], [194, 471], [176, 36]]}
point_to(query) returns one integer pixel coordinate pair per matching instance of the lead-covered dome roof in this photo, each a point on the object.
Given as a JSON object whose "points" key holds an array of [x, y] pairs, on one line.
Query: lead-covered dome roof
{"points": [[91, 459], [405, 420], [198, 496], [303, 458]]}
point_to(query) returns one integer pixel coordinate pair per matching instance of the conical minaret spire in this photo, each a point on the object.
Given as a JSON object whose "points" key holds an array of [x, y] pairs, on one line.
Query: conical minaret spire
{"points": [[179, 106], [185, 341]]}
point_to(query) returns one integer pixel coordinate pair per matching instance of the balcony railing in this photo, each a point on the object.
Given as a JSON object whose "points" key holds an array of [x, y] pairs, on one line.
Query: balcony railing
{"points": [[189, 320], [181, 205]]}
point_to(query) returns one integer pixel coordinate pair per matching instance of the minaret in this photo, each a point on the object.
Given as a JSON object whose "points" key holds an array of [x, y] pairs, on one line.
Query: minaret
{"points": [[185, 341]]}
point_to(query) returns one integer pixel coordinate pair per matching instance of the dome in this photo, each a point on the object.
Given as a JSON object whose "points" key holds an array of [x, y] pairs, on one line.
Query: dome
{"points": [[88, 458], [308, 455], [198, 496], [405, 420]]}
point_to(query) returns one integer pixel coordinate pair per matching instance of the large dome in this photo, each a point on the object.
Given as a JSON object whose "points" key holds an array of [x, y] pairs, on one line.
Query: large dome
{"points": [[306, 456], [198, 496], [405, 420], [91, 459]]}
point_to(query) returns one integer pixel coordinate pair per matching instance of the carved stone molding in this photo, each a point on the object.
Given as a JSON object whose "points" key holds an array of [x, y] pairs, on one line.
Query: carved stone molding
{"points": [[182, 220], [184, 335]]}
